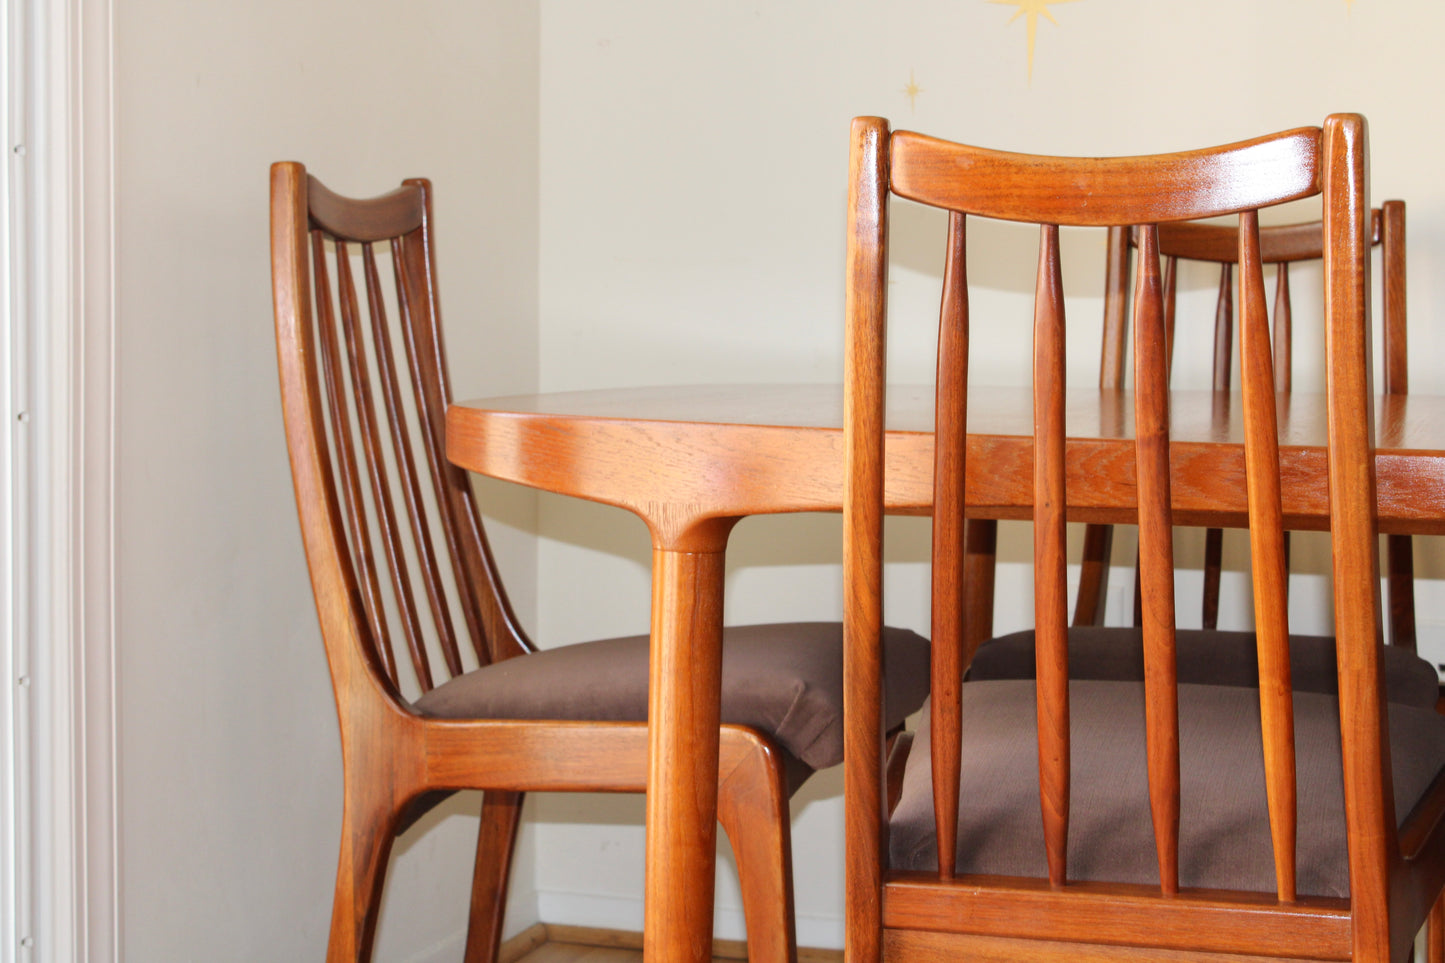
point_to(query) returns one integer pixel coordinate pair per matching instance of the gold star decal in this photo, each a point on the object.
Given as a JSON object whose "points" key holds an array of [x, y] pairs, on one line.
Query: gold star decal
{"points": [[911, 91], [1031, 10]]}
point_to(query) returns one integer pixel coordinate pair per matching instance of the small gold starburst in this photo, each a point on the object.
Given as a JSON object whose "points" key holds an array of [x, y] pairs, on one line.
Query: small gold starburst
{"points": [[1030, 9], [911, 91]]}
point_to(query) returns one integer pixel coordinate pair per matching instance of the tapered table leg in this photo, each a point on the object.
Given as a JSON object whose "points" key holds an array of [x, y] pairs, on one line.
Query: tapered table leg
{"points": [[685, 683]]}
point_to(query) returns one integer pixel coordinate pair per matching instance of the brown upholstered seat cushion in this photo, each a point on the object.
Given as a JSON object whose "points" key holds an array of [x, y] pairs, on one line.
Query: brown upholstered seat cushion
{"points": [[1205, 658], [1223, 826], [785, 680]]}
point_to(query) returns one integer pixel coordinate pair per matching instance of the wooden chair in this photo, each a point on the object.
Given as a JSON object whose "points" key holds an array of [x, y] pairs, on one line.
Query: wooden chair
{"points": [[1098, 651], [1068, 819], [437, 686], [1282, 246]]}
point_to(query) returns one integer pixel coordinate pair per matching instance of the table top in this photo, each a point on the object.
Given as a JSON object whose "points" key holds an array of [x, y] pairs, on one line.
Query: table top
{"points": [[719, 451]]}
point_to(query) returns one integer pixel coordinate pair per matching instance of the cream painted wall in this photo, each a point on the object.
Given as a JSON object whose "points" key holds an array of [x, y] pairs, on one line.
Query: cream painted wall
{"points": [[693, 177], [663, 187], [228, 756]]}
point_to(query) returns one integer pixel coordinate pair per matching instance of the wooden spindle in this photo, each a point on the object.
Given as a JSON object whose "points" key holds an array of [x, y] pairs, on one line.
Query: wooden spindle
{"points": [[1050, 581], [1116, 314], [386, 521], [1223, 356], [1266, 536], [425, 364], [500, 635], [341, 435], [1156, 559], [1224, 329], [1283, 331], [949, 604], [410, 482], [1171, 303], [1097, 555], [1399, 548]]}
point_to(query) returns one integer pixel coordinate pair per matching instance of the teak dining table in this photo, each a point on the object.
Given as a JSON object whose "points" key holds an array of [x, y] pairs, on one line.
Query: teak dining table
{"points": [[692, 461]]}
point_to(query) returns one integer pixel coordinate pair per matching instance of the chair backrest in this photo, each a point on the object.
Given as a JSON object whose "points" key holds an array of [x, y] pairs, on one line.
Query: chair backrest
{"points": [[1115, 192], [1281, 245], [400, 565]]}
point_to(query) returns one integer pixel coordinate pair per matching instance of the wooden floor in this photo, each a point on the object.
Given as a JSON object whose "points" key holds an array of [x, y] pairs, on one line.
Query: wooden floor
{"points": [[551, 943], [578, 953]]}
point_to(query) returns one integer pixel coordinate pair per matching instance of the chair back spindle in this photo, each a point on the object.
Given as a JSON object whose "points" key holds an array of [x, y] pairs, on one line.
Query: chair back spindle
{"points": [[407, 531], [1280, 246], [1144, 197], [1156, 557], [1267, 549], [949, 551], [1050, 579]]}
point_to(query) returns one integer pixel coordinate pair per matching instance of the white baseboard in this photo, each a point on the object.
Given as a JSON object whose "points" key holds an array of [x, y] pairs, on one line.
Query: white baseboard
{"points": [[625, 913], [521, 915], [616, 913], [449, 950]]}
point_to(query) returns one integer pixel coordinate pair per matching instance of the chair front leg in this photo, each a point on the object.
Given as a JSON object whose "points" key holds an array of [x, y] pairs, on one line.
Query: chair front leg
{"points": [[368, 828], [752, 806]]}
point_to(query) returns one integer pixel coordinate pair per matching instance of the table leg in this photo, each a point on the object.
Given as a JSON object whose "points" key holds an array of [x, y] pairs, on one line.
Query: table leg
{"points": [[685, 669]]}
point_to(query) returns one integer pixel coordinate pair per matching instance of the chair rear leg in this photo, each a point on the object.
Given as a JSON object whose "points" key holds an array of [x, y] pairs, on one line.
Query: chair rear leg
{"points": [[496, 839], [753, 810], [1213, 566], [1098, 548], [367, 831], [1435, 932]]}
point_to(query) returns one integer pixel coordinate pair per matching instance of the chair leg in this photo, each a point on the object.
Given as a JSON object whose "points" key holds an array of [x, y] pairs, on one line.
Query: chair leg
{"points": [[1435, 932], [501, 815], [1094, 575], [980, 562], [1213, 564], [753, 810], [367, 832], [1400, 552]]}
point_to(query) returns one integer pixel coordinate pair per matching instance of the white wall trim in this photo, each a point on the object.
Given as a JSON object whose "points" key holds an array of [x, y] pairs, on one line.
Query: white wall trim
{"points": [[625, 913], [15, 631], [77, 840]]}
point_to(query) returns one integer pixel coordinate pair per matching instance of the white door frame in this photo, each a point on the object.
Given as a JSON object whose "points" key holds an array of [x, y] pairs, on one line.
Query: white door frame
{"points": [[65, 901], [15, 757]]}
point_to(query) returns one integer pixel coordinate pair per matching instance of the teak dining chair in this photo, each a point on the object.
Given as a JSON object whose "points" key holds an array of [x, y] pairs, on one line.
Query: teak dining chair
{"points": [[1065, 819], [1208, 654], [437, 686], [1281, 245]]}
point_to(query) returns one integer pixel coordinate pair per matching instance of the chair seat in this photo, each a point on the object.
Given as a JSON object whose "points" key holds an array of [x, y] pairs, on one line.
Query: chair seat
{"points": [[1224, 840], [785, 680], [1205, 658]]}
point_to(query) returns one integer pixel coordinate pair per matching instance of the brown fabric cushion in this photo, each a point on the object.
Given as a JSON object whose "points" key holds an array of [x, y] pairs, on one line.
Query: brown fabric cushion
{"points": [[1223, 826], [1205, 658], [785, 680]]}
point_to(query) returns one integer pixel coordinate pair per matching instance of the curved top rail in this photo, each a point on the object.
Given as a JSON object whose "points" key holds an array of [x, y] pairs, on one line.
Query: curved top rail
{"points": [[373, 219], [1100, 191]]}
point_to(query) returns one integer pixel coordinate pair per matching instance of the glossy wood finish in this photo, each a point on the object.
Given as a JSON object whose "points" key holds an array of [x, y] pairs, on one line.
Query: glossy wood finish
{"points": [[726, 451], [1163, 471], [1156, 578], [408, 594], [950, 640], [1281, 245], [686, 457], [690, 460], [1267, 544]]}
